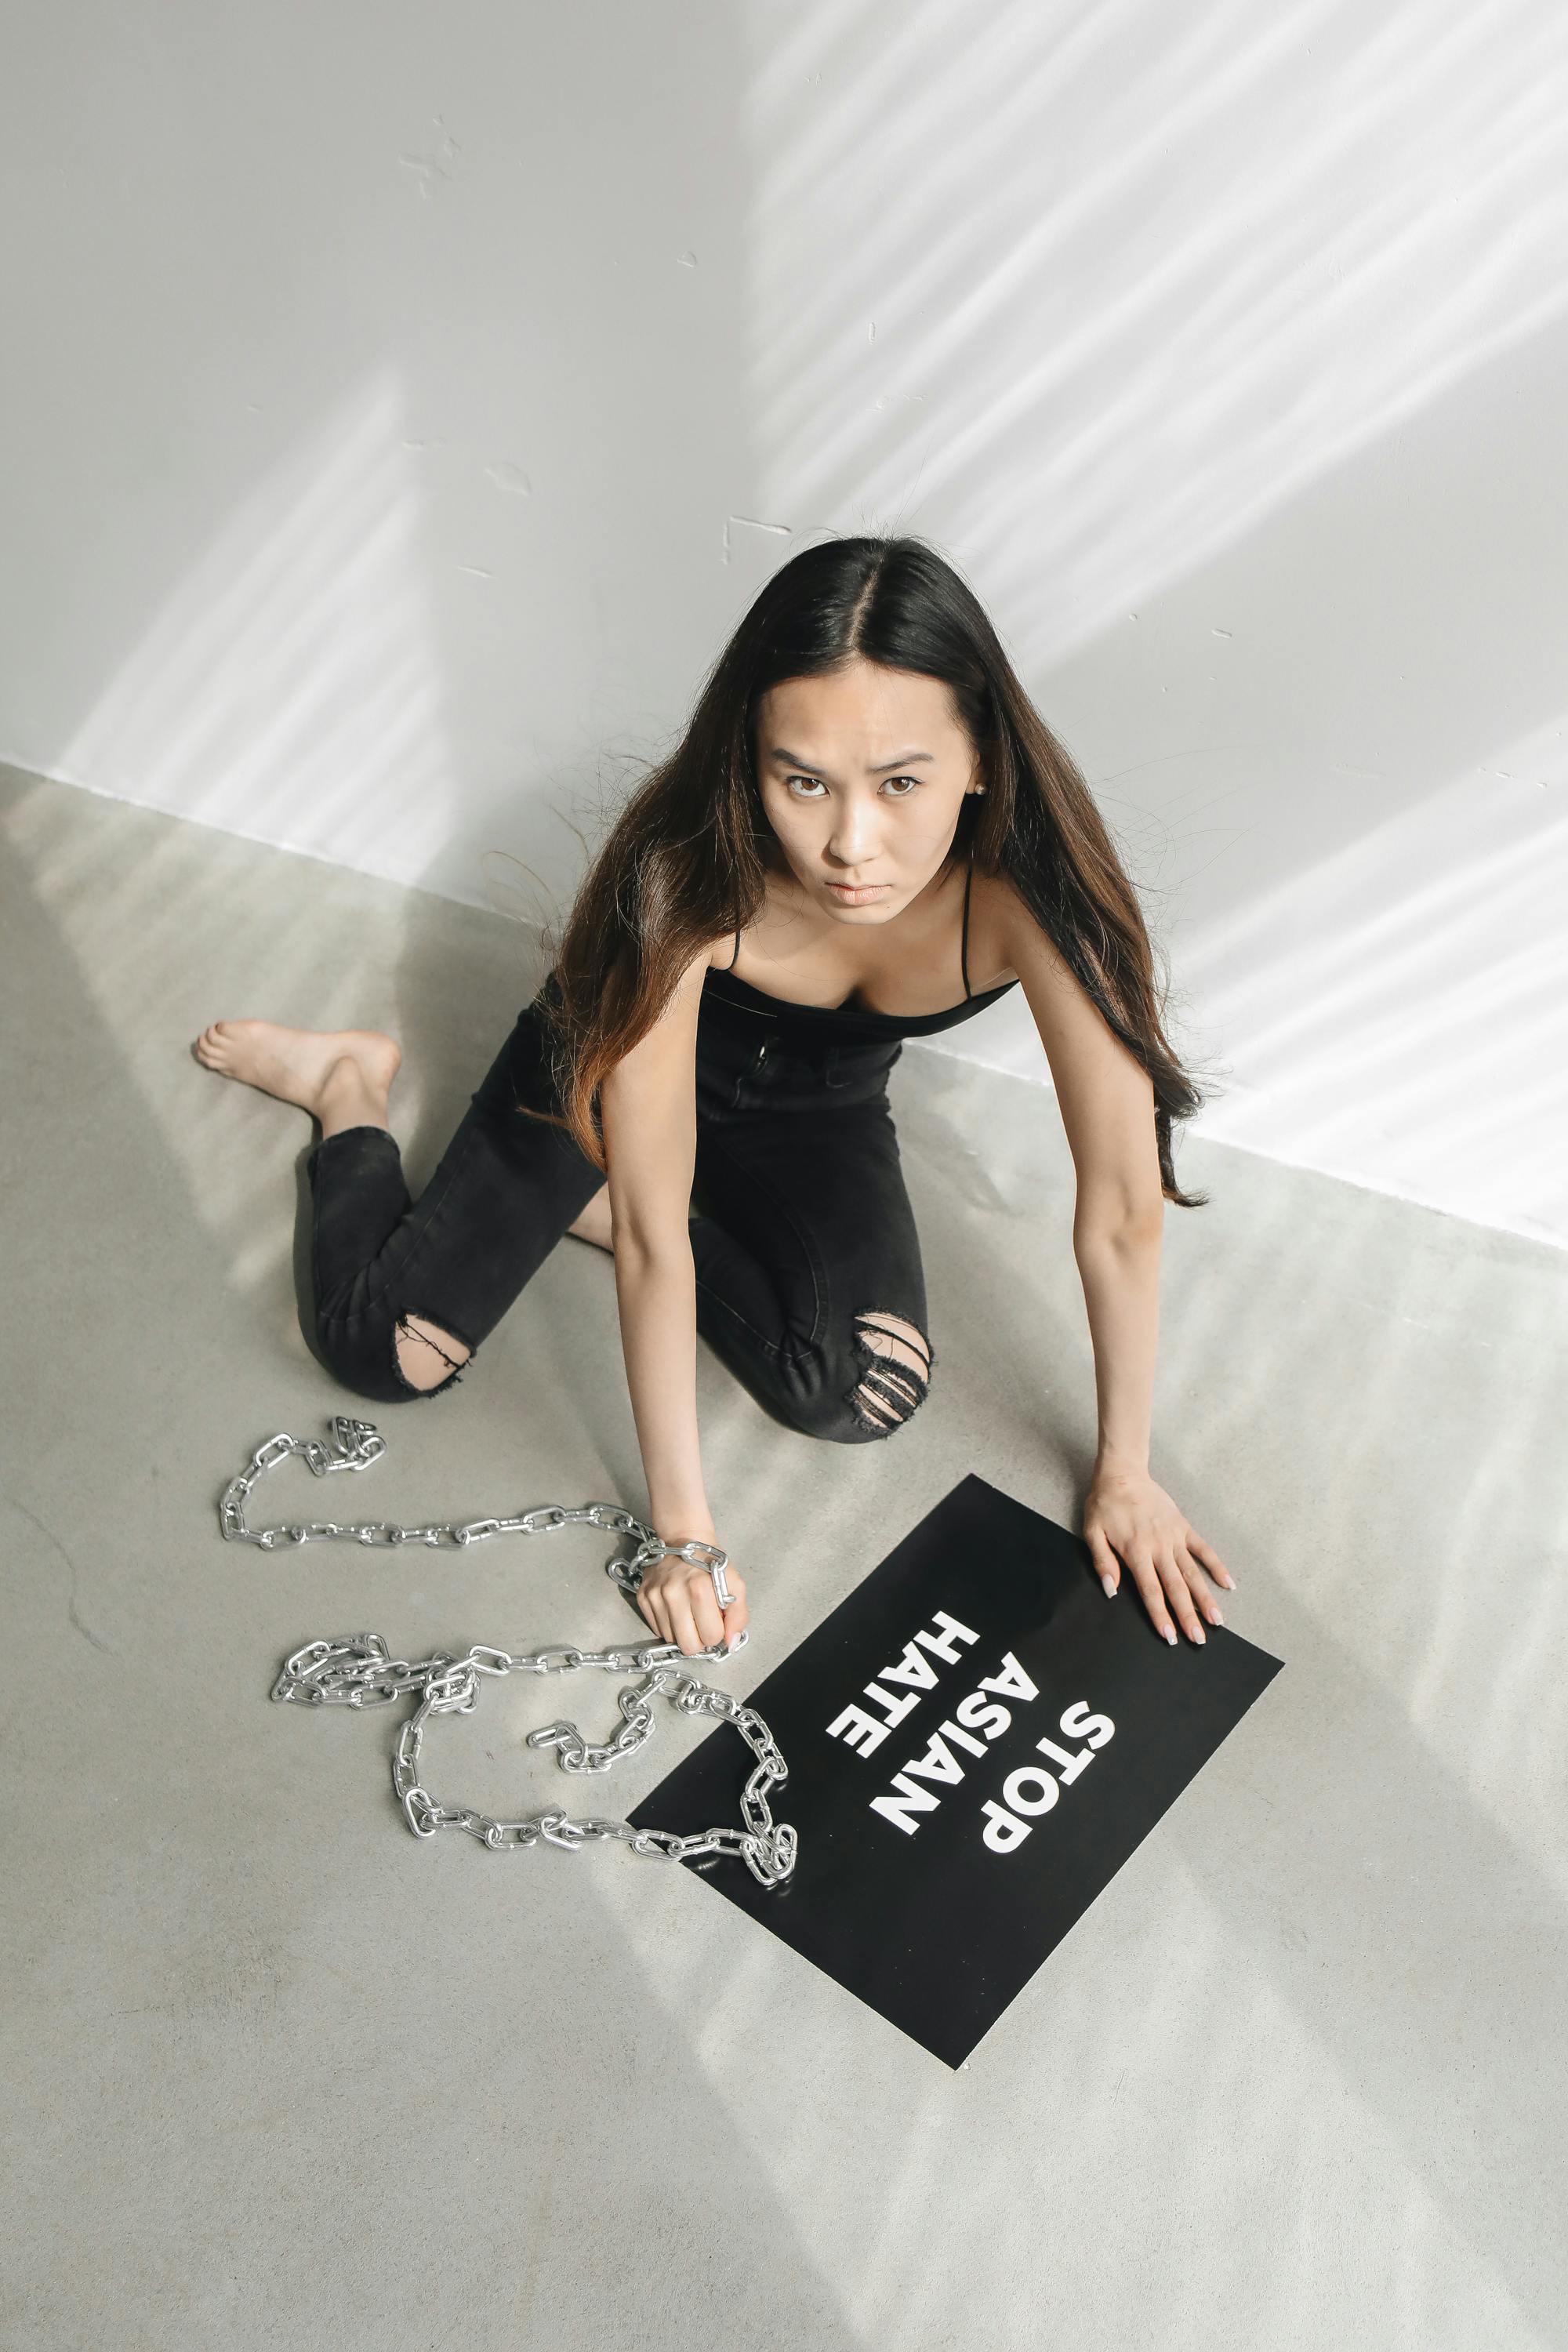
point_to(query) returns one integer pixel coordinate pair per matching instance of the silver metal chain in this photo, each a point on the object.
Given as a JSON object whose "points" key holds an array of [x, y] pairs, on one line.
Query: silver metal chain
{"points": [[357, 1444], [358, 1670]]}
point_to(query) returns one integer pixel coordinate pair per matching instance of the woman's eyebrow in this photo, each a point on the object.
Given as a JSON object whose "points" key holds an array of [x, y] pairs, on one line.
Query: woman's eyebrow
{"points": [[794, 760]]}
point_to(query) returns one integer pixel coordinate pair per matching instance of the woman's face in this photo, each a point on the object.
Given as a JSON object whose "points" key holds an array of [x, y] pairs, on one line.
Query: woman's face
{"points": [[863, 775]]}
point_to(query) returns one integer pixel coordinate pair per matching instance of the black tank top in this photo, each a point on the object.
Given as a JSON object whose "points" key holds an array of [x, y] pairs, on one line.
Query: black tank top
{"points": [[733, 1003]]}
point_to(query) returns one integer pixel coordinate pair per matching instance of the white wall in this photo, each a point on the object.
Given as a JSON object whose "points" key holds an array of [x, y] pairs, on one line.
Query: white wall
{"points": [[403, 403]]}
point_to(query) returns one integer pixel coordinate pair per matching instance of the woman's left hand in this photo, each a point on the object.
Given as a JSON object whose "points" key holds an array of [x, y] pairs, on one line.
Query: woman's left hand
{"points": [[1127, 1514]]}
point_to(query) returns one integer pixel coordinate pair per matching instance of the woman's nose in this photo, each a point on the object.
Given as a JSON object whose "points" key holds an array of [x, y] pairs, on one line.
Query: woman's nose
{"points": [[853, 841]]}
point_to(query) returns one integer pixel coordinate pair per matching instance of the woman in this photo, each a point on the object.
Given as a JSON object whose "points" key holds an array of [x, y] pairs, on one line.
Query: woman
{"points": [[867, 834]]}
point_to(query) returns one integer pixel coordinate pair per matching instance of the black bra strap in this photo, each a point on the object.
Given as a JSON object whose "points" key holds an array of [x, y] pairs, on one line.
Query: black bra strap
{"points": [[730, 965], [963, 950]]}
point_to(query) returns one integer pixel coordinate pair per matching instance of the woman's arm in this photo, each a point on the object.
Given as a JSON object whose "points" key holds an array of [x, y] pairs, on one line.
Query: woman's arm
{"points": [[649, 1108], [1106, 1104]]}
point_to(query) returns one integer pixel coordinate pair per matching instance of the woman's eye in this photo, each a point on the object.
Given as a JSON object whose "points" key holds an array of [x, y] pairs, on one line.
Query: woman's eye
{"points": [[911, 782]]}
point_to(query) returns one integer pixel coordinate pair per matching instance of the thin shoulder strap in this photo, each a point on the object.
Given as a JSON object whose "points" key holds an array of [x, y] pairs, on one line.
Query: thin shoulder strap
{"points": [[730, 965], [963, 947]]}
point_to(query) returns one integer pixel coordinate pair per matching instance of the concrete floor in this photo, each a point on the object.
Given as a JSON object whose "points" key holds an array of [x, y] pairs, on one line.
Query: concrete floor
{"points": [[280, 2076]]}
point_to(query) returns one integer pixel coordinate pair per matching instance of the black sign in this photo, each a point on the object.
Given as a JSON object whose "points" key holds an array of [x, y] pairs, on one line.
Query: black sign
{"points": [[977, 1738]]}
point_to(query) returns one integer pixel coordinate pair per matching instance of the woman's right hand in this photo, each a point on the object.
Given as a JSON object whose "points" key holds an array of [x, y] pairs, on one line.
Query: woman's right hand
{"points": [[677, 1597]]}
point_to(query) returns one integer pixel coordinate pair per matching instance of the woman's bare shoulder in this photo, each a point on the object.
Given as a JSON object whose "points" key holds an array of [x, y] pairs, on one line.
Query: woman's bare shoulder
{"points": [[1005, 939], [994, 908]]}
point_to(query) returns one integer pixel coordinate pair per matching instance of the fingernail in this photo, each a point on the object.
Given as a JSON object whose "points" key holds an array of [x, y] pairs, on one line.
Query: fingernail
{"points": [[1170, 1633], [1228, 1583], [1198, 1634], [1219, 1615], [1109, 1584]]}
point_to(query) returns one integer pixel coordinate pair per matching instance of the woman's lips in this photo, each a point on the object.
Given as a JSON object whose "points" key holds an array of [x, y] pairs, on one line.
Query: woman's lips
{"points": [[853, 894]]}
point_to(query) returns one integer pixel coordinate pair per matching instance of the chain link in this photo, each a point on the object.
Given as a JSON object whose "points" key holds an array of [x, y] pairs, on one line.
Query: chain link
{"points": [[357, 1444], [358, 1670]]}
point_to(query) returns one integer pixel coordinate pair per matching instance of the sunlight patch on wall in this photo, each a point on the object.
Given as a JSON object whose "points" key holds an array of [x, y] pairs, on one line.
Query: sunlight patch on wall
{"points": [[1398, 1014], [1209, 255], [290, 688]]}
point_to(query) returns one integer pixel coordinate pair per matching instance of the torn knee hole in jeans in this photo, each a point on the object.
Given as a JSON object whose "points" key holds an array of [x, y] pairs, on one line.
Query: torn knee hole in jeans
{"points": [[423, 1347], [898, 1372]]}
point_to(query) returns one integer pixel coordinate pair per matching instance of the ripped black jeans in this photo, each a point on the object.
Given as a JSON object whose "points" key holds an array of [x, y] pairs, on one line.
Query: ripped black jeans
{"points": [[809, 1281]]}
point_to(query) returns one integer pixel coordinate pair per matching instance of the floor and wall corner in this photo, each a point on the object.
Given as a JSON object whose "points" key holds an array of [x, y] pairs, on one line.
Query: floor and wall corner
{"points": [[406, 404]]}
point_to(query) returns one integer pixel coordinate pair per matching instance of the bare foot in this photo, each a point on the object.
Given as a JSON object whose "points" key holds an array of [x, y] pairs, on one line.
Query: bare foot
{"points": [[594, 1224], [341, 1077]]}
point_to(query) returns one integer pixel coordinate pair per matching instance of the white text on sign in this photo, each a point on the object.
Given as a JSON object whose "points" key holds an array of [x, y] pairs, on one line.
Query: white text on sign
{"points": [[973, 1724]]}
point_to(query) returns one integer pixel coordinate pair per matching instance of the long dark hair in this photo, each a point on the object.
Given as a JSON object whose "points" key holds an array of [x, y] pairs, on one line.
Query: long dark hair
{"points": [[686, 860]]}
